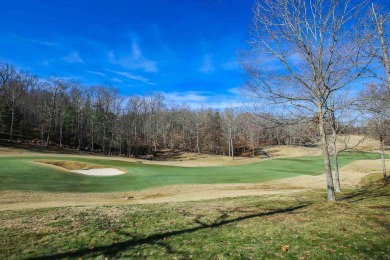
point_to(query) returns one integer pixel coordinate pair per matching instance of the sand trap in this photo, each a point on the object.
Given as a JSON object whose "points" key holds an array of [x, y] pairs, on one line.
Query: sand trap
{"points": [[100, 172]]}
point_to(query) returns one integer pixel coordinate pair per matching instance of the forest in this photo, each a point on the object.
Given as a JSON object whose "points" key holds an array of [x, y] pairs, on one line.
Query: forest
{"points": [[98, 119], [67, 114]]}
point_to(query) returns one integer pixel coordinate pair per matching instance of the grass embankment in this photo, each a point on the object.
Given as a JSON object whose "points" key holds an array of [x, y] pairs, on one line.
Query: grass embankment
{"points": [[356, 227], [23, 173]]}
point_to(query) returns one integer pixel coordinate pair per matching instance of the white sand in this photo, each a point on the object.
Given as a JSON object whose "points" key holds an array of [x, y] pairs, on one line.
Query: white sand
{"points": [[100, 172]]}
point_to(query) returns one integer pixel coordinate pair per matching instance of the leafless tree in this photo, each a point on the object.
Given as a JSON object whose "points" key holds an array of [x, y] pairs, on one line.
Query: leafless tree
{"points": [[341, 115], [379, 44], [230, 126], [377, 103], [301, 55], [13, 85]]}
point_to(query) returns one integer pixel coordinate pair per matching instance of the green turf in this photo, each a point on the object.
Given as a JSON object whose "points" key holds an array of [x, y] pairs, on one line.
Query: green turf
{"points": [[21, 173]]}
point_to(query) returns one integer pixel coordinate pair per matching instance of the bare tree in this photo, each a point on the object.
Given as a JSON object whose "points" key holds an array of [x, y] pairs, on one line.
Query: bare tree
{"points": [[301, 55], [377, 103], [380, 43], [341, 115], [230, 123], [13, 85]]}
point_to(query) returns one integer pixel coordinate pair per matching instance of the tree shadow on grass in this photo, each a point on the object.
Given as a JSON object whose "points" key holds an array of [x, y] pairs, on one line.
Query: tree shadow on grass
{"points": [[158, 239], [365, 194]]}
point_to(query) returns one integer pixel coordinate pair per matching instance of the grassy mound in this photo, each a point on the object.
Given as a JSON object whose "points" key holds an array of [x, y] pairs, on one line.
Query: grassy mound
{"points": [[72, 165]]}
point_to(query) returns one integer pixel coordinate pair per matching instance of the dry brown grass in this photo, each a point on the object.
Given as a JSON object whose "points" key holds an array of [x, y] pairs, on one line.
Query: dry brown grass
{"points": [[71, 165]]}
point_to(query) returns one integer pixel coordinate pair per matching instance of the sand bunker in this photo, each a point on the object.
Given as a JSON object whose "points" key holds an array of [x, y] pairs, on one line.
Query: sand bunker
{"points": [[100, 172]]}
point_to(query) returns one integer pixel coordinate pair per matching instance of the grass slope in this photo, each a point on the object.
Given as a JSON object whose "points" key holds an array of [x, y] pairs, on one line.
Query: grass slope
{"points": [[356, 227], [23, 173]]}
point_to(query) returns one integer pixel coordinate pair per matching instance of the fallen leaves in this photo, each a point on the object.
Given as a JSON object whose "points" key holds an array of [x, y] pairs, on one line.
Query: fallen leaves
{"points": [[285, 248]]}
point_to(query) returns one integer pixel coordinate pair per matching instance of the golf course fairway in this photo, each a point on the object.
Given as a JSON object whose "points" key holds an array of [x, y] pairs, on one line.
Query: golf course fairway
{"points": [[24, 173]]}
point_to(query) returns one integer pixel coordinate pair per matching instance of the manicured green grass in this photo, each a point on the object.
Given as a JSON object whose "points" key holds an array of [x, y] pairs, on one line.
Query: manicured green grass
{"points": [[356, 227], [22, 173]]}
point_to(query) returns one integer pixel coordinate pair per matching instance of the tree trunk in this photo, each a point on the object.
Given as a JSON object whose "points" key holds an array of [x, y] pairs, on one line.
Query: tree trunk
{"points": [[385, 59], [61, 135], [383, 159], [336, 162], [48, 133], [231, 145], [92, 138], [12, 124], [42, 133], [78, 131], [197, 142], [336, 171], [324, 145]]}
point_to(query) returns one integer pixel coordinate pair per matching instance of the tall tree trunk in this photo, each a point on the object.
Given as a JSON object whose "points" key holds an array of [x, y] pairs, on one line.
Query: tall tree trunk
{"points": [[197, 141], [232, 147], [48, 132], [104, 138], [336, 161], [42, 133], [61, 135], [229, 147], [336, 171], [11, 130], [78, 131], [385, 60], [92, 137], [383, 158], [324, 145]]}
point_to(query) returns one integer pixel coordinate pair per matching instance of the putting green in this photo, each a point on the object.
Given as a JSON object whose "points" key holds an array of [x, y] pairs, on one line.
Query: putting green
{"points": [[22, 173]]}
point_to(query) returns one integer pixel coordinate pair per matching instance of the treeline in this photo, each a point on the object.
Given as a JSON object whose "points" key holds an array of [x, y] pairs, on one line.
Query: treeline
{"points": [[66, 114]]}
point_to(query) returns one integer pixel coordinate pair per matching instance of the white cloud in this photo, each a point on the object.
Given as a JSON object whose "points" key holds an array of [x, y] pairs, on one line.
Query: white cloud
{"points": [[116, 80], [46, 43], [129, 75], [11, 38], [207, 66], [231, 65], [235, 91], [97, 73], [205, 99], [186, 97], [136, 59], [73, 57]]}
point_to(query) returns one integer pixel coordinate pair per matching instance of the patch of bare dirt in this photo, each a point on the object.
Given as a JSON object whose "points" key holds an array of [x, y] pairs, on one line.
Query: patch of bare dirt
{"points": [[20, 200]]}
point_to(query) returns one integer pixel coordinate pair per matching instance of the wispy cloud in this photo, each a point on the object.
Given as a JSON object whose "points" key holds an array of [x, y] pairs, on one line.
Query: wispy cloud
{"points": [[10, 37], [205, 99], [46, 43], [134, 60], [97, 73], [116, 80], [129, 75], [235, 91], [231, 65], [186, 97], [207, 66], [73, 57]]}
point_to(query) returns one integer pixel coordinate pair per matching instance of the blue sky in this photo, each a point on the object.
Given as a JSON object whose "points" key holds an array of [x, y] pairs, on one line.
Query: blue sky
{"points": [[184, 48]]}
